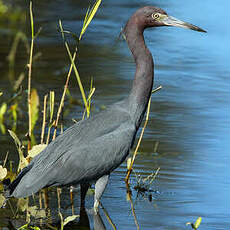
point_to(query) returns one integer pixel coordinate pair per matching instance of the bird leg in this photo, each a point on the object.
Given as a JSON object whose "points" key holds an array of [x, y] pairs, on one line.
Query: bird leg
{"points": [[84, 189], [99, 189]]}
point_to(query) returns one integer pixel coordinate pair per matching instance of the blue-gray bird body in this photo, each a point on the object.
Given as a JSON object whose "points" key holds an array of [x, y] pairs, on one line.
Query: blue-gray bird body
{"points": [[83, 153]]}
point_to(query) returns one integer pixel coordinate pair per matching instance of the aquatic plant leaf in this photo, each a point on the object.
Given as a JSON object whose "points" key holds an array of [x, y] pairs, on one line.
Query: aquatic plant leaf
{"points": [[28, 227], [2, 200], [2, 128], [22, 160], [129, 160], [23, 204], [3, 172], [16, 140], [198, 222], [13, 109], [34, 211], [62, 222], [69, 219], [3, 109], [35, 150], [90, 192], [3, 8], [35, 228], [34, 107]]}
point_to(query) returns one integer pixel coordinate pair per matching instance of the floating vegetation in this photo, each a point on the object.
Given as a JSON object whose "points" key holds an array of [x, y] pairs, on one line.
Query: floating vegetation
{"points": [[143, 184], [195, 225]]}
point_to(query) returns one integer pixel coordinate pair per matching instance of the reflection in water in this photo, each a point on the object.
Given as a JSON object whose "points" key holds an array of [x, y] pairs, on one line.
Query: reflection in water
{"points": [[47, 218], [84, 222]]}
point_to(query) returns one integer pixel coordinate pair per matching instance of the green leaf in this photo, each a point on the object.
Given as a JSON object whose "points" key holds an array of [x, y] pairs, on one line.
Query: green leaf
{"points": [[22, 160], [2, 200], [3, 109], [23, 203], [31, 20], [36, 150], [89, 16], [35, 228], [38, 213], [1, 94], [24, 227], [69, 219], [34, 107], [198, 222], [129, 160], [16, 140], [3, 8], [62, 222], [3, 172], [28, 227], [2, 128], [13, 109]]}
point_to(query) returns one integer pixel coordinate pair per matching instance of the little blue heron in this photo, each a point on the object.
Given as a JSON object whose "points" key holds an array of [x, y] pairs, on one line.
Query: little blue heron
{"points": [[91, 149]]}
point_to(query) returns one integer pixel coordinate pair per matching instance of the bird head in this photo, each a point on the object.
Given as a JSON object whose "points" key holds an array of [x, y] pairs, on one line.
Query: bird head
{"points": [[150, 16]]}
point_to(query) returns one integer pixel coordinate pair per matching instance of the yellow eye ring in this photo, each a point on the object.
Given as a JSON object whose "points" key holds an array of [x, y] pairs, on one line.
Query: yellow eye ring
{"points": [[155, 16]]}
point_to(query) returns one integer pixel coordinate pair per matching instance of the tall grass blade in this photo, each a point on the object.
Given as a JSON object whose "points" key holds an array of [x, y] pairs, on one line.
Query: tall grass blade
{"points": [[75, 70], [51, 102], [89, 16], [31, 20]]}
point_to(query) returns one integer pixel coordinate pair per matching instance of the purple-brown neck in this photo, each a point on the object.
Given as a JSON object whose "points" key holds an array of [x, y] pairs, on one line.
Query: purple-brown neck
{"points": [[143, 80]]}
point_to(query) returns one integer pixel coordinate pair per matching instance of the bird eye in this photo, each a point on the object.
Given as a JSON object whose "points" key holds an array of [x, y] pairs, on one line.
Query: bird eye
{"points": [[155, 16]]}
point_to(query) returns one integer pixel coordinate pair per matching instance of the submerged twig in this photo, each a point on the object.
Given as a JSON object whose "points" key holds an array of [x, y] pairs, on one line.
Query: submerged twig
{"points": [[129, 197], [108, 217]]}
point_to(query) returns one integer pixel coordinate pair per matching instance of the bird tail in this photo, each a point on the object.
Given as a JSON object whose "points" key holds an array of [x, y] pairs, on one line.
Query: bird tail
{"points": [[9, 187]]}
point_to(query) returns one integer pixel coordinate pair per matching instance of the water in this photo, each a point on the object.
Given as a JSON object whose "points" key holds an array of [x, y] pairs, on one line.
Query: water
{"points": [[189, 116]]}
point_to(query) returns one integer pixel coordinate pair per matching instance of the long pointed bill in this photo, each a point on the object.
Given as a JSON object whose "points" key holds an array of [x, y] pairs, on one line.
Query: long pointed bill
{"points": [[171, 21]]}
